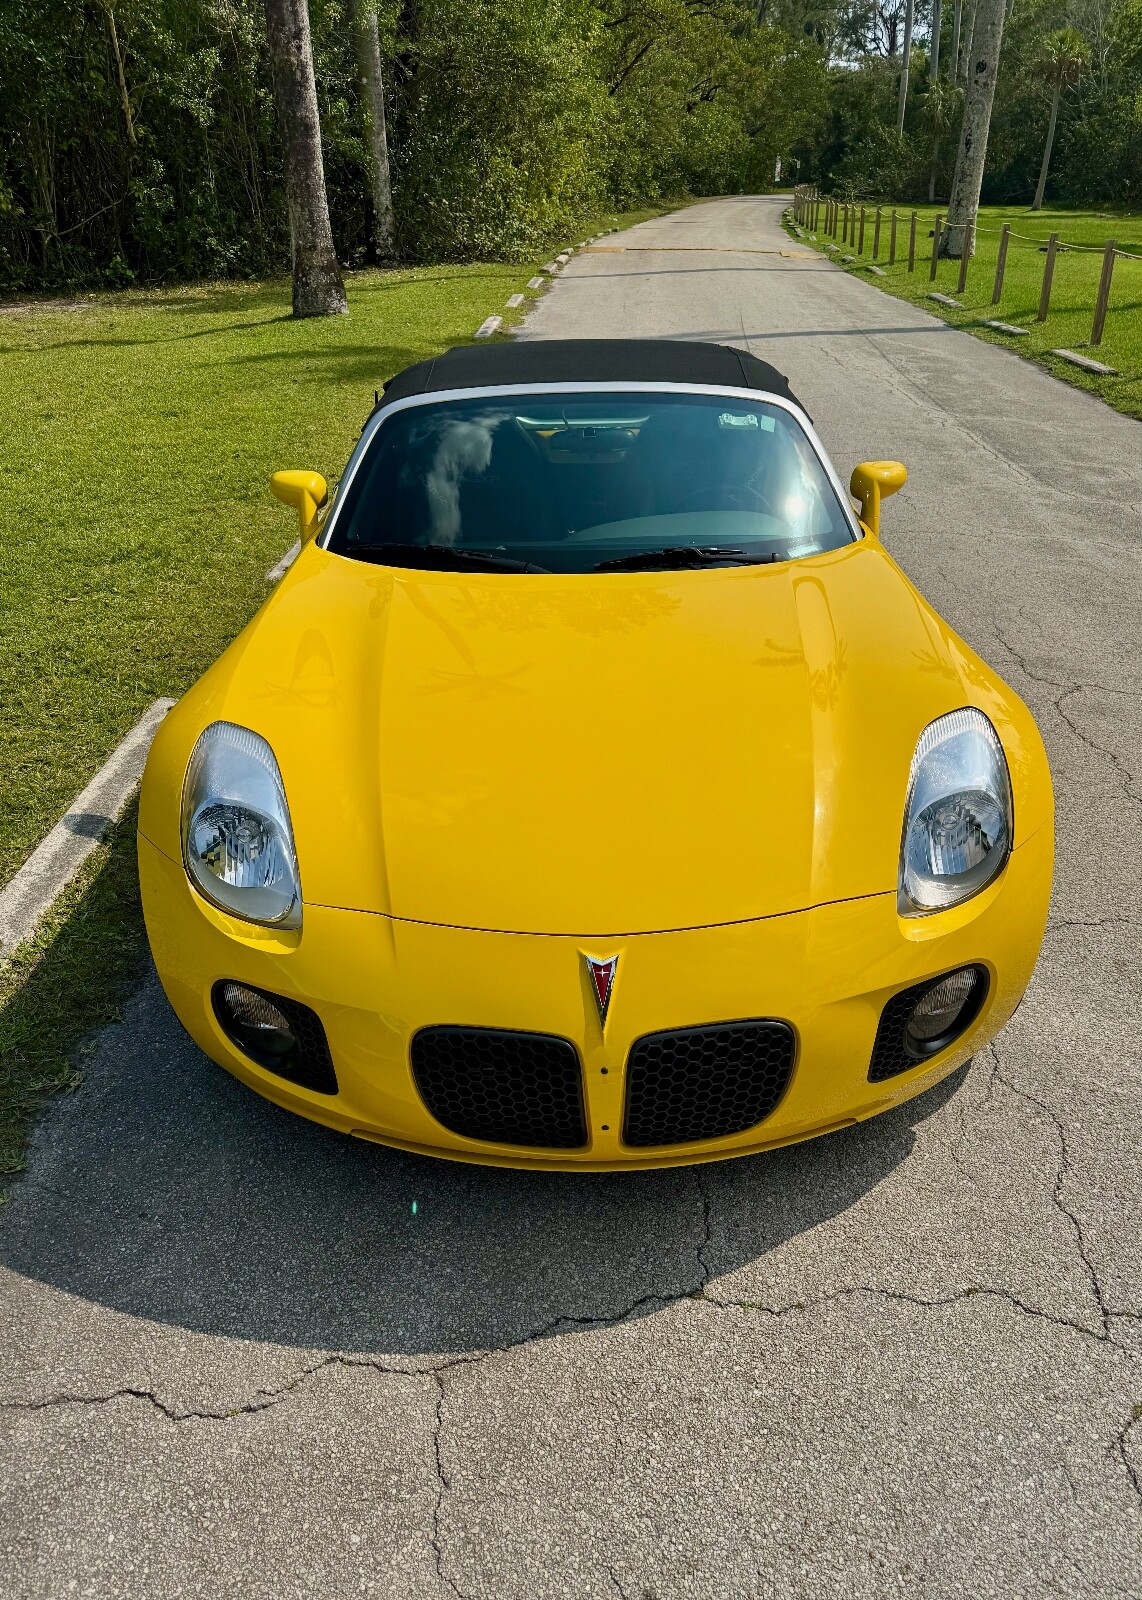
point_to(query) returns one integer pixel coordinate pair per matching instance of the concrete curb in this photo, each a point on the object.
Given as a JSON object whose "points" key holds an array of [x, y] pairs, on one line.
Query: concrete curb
{"points": [[58, 857], [488, 327], [285, 563]]}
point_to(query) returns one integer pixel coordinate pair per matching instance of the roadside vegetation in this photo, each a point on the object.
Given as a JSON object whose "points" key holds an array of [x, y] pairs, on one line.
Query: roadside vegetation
{"points": [[1073, 290]]}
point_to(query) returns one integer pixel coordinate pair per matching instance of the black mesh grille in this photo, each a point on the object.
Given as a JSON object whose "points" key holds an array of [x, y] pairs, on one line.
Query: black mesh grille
{"points": [[309, 1065], [705, 1083], [890, 1052], [503, 1088]]}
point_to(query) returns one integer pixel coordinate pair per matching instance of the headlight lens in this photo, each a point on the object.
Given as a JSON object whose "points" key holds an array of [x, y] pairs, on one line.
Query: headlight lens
{"points": [[958, 818], [236, 835]]}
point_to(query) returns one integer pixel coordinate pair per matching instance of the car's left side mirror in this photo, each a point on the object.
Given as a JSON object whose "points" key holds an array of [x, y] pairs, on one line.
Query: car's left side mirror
{"points": [[871, 483], [306, 491]]}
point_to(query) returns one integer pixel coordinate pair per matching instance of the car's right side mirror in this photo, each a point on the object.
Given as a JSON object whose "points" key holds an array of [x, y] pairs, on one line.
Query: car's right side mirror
{"points": [[872, 482], [307, 492]]}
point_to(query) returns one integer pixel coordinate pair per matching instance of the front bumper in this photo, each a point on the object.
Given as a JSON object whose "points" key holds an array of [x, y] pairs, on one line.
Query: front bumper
{"points": [[374, 981]]}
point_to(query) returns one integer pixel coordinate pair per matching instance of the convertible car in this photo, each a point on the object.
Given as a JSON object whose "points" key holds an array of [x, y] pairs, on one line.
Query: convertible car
{"points": [[594, 791]]}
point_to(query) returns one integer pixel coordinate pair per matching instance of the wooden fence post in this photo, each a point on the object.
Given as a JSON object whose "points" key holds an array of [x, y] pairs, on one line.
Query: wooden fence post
{"points": [[892, 242], [1000, 264], [845, 225], [912, 245], [965, 256], [1048, 274], [876, 237], [1103, 300], [860, 246], [936, 231]]}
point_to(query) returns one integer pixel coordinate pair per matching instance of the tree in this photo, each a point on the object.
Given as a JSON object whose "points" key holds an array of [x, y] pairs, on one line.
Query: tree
{"points": [[939, 113], [905, 62], [1065, 54], [371, 94], [967, 180], [317, 287], [934, 49]]}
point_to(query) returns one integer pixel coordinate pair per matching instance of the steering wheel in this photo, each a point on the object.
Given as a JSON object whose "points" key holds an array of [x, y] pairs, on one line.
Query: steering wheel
{"points": [[728, 497]]}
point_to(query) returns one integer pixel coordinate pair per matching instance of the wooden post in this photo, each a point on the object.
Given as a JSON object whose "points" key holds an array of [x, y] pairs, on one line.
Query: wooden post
{"points": [[1048, 274], [892, 242], [1103, 300], [1000, 265], [965, 256], [845, 225], [876, 237], [936, 231], [912, 245], [860, 246]]}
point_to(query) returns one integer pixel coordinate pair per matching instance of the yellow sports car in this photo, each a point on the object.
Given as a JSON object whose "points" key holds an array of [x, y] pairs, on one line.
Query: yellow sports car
{"points": [[594, 790]]}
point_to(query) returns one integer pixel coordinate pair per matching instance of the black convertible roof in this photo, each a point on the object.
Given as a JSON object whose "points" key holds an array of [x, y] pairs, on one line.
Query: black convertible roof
{"points": [[589, 361]]}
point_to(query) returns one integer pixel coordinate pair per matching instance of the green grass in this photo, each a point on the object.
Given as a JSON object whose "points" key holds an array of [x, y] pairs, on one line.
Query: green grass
{"points": [[1074, 289], [137, 435], [48, 1001]]}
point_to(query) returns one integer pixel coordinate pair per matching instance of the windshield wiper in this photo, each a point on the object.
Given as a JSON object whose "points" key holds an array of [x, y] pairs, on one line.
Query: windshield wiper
{"points": [[683, 555], [458, 556]]}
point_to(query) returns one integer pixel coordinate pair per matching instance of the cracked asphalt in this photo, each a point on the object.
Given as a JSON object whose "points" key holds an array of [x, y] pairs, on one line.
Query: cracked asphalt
{"points": [[905, 1359]]}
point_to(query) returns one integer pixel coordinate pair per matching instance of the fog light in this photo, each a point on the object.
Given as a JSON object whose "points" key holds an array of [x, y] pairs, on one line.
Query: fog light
{"points": [[254, 1022], [281, 1035], [944, 1010]]}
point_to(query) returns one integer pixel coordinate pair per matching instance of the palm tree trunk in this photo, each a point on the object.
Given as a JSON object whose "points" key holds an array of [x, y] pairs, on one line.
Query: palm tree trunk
{"points": [[371, 90], [967, 180], [932, 173], [968, 41], [1037, 203], [317, 287], [957, 13], [934, 50], [906, 57]]}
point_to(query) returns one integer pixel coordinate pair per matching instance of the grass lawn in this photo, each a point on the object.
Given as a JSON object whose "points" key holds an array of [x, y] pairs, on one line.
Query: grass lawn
{"points": [[137, 435], [1073, 292]]}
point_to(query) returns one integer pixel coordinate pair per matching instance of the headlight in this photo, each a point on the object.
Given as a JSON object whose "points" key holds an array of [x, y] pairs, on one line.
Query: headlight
{"points": [[236, 836], [957, 821]]}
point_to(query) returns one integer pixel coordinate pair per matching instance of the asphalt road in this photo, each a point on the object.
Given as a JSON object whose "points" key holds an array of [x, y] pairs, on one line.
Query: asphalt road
{"points": [[905, 1359]]}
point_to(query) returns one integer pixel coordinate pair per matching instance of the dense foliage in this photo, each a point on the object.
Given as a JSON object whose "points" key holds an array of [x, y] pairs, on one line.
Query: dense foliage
{"points": [[1097, 152], [137, 137]]}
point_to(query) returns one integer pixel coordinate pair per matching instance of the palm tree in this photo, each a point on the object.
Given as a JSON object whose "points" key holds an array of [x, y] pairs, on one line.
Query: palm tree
{"points": [[905, 63], [967, 179], [371, 97], [939, 113], [1063, 56], [317, 287]]}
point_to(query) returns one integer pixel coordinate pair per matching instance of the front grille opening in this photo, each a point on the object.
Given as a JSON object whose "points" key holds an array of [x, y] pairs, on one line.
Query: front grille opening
{"points": [[919, 1022], [281, 1035], [502, 1087], [707, 1082]]}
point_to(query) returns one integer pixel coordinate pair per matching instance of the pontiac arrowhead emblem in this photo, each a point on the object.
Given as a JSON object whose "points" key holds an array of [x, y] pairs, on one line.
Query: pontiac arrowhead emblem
{"points": [[602, 975]]}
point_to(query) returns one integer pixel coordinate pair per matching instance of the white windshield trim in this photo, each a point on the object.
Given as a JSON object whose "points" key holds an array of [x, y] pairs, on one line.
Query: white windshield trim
{"points": [[435, 396]]}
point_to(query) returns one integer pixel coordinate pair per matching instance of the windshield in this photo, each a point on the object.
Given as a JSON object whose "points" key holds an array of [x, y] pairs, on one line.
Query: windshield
{"points": [[589, 483]]}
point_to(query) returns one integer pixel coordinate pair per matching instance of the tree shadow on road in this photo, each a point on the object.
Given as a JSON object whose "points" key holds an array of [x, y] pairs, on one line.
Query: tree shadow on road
{"points": [[167, 1190]]}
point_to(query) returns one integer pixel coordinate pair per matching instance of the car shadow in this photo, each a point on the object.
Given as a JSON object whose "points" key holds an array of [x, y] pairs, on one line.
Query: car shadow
{"points": [[165, 1189]]}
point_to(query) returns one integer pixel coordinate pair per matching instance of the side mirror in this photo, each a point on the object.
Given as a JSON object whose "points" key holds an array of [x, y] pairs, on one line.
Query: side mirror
{"points": [[872, 482], [307, 491]]}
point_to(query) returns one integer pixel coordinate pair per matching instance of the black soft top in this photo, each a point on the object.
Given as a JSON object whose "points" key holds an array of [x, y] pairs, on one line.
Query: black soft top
{"points": [[683, 361]]}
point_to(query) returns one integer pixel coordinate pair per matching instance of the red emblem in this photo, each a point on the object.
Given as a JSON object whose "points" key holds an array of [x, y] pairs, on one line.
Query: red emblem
{"points": [[602, 975]]}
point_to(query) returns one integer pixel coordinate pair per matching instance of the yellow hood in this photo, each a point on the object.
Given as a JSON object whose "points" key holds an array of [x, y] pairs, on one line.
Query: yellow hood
{"points": [[592, 755]]}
